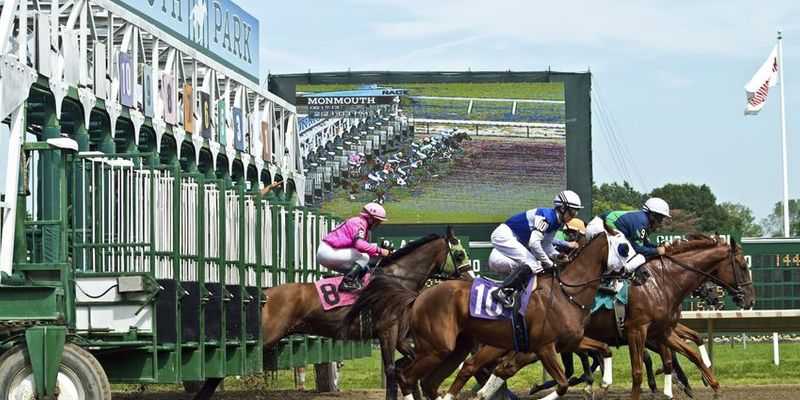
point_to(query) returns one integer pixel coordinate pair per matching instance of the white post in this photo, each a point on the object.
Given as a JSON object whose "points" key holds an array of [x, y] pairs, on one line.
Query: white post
{"points": [[776, 357], [783, 141], [17, 137]]}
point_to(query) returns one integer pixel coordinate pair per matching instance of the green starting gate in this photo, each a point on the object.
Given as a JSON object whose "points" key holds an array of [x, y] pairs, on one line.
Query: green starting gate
{"points": [[135, 241]]}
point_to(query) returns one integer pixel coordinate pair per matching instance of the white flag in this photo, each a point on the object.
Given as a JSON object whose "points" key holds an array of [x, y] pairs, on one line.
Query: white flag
{"points": [[759, 85]]}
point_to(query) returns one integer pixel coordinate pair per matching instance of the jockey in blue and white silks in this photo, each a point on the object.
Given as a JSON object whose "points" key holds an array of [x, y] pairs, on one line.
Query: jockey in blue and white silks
{"points": [[523, 245]]}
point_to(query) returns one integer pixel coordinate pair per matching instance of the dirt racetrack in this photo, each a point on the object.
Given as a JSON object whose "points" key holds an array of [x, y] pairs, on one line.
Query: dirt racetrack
{"points": [[772, 392]]}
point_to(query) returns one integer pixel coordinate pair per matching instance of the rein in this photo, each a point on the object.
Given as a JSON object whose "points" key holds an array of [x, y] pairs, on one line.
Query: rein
{"points": [[564, 285], [736, 291], [418, 276]]}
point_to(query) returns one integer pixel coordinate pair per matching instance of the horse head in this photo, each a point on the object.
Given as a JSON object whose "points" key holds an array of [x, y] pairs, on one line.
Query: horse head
{"points": [[430, 255], [710, 258]]}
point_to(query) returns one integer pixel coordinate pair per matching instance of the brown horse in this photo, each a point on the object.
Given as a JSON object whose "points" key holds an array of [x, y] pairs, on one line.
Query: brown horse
{"points": [[295, 308], [439, 317], [654, 310]]}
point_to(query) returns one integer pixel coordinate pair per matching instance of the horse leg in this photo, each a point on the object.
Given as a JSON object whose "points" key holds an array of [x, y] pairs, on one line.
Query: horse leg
{"points": [[420, 366], [430, 384], [683, 380], [550, 363], [388, 340], [208, 389], [666, 360], [484, 355], [586, 346], [637, 336], [681, 347], [568, 362], [648, 367]]}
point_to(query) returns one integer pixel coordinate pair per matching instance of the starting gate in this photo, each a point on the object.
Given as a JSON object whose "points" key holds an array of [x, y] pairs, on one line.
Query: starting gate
{"points": [[135, 242]]}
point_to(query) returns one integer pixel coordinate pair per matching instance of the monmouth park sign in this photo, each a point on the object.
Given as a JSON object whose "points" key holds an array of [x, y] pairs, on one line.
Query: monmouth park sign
{"points": [[218, 28], [327, 106]]}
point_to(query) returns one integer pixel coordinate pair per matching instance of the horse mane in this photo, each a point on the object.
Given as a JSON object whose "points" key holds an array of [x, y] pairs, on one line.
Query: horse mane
{"points": [[383, 293], [583, 247], [408, 248], [693, 241]]}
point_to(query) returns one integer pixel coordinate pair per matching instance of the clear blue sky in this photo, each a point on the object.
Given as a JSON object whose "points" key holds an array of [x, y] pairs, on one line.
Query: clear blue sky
{"points": [[671, 72]]}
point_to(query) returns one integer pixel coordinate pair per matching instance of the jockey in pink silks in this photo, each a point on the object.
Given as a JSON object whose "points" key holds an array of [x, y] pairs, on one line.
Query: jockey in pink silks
{"points": [[346, 248]]}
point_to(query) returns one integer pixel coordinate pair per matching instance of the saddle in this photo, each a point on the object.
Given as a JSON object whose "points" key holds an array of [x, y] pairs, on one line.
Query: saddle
{"points": [[613, 295]]}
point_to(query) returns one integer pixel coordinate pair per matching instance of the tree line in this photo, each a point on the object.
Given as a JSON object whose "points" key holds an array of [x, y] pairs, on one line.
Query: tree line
{"points": [[695, 209]]}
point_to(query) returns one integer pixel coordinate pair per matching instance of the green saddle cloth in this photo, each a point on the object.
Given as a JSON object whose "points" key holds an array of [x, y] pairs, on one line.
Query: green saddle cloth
{"points": [[606, 300]]}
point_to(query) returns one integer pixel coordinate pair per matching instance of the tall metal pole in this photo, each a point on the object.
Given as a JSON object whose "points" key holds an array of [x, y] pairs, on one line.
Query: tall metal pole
{"points": [[783, 141]]}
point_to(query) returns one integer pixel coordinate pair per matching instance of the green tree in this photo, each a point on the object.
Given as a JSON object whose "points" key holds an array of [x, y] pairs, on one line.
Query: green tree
{"points": [[697, 200], [613, 196], [773, 223], [739, 218]]}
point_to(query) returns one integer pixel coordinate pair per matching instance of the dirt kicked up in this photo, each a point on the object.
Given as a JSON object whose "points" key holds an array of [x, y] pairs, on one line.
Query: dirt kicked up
{"points": [[771, 392]]}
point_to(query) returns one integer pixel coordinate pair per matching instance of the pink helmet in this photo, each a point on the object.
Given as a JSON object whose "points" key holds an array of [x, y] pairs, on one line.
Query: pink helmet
{"points": [[374, 210]]}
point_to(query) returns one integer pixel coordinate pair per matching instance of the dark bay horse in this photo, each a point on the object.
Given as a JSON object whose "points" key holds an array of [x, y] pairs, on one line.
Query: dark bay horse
{"points": [[295, 308], [653, 310], [439, 318], [506, 368]]}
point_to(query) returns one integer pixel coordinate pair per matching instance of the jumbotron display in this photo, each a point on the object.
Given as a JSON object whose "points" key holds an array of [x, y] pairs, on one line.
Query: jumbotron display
{"points": [[480, 152]]}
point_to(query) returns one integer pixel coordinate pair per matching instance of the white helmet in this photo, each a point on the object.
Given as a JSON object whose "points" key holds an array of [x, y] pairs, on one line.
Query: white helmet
{"points": [[656, 205], [569, 199]]}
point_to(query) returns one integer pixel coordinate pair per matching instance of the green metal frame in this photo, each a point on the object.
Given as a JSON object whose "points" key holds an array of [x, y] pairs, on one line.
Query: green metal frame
{"points": [[50, 255]]}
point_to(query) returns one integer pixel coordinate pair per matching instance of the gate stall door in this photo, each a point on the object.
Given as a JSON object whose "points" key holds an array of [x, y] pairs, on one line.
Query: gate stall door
{"points": [[280, 230], [298, 246], [268, 257], [190, 204], [252, 296], [214, 202], [234, 317], [112, 219], [311, 243]]}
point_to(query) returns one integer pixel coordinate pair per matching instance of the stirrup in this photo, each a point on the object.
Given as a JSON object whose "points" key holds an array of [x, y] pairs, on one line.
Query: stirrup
{"points": [[505, 299], [349, 285]]}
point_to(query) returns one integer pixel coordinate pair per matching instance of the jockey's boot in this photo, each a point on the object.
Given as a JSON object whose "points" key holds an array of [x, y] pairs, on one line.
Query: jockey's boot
{"points": [[513, 283], [352, 280]]}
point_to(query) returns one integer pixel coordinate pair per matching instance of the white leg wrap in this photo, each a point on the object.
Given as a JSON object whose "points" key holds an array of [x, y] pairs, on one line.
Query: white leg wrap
{"points": [[607, 373], [448, 397], [408, 397], [488, 390], [551, 396], [668, 385], [704, 355]]}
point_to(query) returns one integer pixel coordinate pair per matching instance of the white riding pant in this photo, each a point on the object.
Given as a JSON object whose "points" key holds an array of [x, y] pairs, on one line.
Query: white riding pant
{"points": [[340, 259], [595, 227], [616, 261], [509, 253]]}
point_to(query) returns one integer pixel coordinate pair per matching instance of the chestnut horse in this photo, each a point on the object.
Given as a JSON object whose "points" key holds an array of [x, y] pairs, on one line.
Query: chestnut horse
{"points": [[439, 318], [295, 308], [654, 310]]}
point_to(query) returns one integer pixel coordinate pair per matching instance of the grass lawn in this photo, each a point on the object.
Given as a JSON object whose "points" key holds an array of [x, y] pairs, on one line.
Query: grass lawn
{"points": [[733, 366], [511, 90]]}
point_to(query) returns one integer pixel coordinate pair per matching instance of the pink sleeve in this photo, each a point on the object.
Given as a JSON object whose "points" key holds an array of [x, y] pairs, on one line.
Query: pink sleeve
{"points": [[360, 239], [367, 247]]}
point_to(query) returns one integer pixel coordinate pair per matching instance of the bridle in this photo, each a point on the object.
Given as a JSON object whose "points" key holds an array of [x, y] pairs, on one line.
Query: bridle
{"points": [[737, 291], [437, 271], [564, 285]]}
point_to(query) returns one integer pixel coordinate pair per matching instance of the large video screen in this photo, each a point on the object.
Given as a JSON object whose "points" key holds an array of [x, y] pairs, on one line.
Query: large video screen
{"points": [[483, 151]]}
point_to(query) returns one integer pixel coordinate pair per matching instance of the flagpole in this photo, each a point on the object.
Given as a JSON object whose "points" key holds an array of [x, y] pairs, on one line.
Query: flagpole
{"points": [[783, 141]]}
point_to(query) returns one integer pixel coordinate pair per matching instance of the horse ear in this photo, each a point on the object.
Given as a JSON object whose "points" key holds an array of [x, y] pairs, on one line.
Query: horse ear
{"points": [[451, 235]]}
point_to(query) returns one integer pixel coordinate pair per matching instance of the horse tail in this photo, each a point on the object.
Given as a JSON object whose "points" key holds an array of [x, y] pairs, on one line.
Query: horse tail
{"points": [[384, 300]]}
